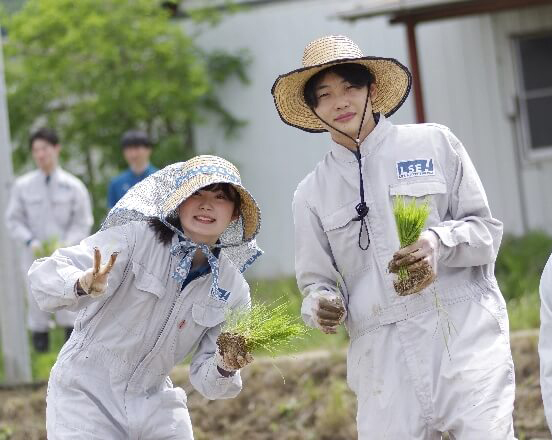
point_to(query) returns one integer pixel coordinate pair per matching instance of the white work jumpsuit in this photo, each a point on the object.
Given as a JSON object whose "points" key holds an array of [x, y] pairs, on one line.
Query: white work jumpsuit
{"points": [[42, 209], [431, 362], [111, 378], [545, 340]]}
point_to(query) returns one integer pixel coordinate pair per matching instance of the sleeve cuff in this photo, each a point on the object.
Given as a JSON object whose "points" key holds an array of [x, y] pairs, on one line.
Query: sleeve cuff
{"points": [[71, 277]]}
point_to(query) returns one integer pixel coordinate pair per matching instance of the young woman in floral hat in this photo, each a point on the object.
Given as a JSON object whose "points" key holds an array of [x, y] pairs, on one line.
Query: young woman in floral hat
{"points": [[178, 243]]}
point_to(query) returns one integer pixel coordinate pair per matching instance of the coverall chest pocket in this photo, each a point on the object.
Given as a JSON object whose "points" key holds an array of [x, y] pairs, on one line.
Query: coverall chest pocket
{"points": [[147, 295], [62, 207], [33, 205], [434, 191], [208, 315], [193, 328], [342, 233]]}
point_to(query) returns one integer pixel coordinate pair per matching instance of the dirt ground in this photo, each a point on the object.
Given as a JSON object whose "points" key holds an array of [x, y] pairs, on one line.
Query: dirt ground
{"points": [[313, 401]]}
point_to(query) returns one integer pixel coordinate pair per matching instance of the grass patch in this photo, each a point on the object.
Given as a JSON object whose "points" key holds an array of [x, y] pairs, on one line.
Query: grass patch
{"points": [[524, 312], [41, 363], [520, 263]]}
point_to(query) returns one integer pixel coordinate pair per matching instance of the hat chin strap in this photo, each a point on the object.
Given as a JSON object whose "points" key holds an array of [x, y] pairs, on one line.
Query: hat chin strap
{"points": [[361, 209]]}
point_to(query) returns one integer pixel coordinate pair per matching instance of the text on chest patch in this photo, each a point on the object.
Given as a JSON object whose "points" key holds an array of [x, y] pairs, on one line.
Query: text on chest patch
{"points": [[415, 168]]}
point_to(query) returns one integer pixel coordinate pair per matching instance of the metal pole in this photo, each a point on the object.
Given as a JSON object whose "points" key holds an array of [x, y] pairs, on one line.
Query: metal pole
{"points": [[15, 345], [415, 66]]}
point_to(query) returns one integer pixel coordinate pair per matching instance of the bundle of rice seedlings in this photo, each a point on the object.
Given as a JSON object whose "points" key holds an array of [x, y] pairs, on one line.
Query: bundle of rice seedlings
{"points": [[47, 247], [261, 327], [410, 217]]}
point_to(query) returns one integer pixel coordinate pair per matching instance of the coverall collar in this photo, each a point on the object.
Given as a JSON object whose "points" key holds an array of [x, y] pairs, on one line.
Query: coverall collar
{"points": [[53, 175], [367, 146]]}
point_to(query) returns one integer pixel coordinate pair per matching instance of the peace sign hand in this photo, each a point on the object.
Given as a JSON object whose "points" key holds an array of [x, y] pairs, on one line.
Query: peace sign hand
{"points": [[94, 281]]}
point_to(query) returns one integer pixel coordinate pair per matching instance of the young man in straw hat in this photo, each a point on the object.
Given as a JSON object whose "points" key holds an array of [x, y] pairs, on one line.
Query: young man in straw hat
{"points": [[411, 380], [179, 241]]}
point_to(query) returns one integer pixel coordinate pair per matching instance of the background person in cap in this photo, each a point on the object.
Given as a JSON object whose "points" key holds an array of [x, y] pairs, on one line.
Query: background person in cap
{"points": [[411, 381], [48, 207], [545, 342], [137, 148], [178, 243]]}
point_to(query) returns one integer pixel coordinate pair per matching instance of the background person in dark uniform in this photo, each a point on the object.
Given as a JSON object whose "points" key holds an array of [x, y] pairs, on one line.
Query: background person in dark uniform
{"points": [[137, 149]]}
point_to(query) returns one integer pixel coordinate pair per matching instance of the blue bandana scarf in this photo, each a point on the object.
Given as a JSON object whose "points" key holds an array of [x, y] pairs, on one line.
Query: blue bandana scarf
{"points": [[187, 248]]}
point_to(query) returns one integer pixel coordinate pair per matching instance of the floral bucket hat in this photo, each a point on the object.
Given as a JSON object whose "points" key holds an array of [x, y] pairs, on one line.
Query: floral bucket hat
{"points": [[160, 194]]}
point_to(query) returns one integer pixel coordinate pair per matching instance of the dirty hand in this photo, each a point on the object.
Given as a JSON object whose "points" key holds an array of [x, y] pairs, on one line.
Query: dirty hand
{"points": [[232, 360], [329, 313], [94, 281], [424, 252]]}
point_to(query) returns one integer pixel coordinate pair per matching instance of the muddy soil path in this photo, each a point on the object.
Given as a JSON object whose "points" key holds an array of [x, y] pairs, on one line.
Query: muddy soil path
{"points": [[312, 403]]}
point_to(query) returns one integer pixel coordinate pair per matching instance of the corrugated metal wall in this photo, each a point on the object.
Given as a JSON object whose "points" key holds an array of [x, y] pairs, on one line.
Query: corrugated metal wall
{"points": [[272, 156], [468, 84]]}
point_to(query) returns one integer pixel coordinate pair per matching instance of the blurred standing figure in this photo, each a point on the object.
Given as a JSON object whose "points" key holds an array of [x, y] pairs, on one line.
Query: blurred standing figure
{"points": [[47, 206], [137, 148], [545, 340]]}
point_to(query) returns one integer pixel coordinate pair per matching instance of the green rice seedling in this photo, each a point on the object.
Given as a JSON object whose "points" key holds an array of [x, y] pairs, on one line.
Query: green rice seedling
{"points": [[47, 247], [410, 217], [263, 326]]}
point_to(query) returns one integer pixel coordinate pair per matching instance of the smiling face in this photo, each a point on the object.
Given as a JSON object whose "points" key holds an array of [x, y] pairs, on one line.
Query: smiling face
{"points": [[340, 106], [206, 214]]}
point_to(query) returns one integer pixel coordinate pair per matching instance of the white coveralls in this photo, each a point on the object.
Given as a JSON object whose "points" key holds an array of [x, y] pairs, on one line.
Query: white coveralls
{"points": [[111, 380], [39, 210], [545, 340], [409, 382]]}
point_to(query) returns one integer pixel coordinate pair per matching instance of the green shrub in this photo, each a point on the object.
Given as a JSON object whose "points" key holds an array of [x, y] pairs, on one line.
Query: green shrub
{"points": [[524, 312], [520, 263]]}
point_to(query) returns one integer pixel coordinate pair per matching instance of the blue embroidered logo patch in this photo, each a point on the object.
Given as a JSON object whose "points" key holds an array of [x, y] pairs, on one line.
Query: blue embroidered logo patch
{"points": [[223, 295], [415, 168]]}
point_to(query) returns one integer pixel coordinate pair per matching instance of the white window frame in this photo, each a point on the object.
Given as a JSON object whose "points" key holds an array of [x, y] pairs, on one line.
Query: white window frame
{"points": [[530, 153]]}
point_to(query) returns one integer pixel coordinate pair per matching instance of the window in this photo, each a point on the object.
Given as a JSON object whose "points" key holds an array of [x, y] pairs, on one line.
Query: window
{"points": [[534, 56]]}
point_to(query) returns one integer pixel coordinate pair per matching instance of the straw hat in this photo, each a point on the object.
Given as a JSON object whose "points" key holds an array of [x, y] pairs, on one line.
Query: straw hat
{"points": [[201, 171], [393, 81]]}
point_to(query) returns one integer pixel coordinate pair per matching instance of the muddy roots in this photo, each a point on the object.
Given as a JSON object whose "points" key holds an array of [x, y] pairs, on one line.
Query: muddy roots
{"points": [[417, 280], [230, 346]]}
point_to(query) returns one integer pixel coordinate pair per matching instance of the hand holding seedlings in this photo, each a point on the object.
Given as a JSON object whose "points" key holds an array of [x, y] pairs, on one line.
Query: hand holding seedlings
{"points": [[423, 252], [259, 327], [416, 261], [94, 281], [232, 352], [330, 314], [419, 260]]}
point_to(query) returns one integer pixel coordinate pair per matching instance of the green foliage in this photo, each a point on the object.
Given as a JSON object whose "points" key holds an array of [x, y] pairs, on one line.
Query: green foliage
{"points": [[93, 69], [41, 363], [524, 312], [5, 432], [265, 326], [520, 263]]}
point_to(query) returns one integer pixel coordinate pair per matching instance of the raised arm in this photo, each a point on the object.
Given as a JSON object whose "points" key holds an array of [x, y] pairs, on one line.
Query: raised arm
{"points": [[54, 280]]}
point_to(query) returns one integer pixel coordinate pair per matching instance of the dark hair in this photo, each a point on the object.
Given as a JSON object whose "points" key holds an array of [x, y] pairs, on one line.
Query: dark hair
{"points": [[356, 74], [165, 234], [46, 134], [134, 138]]}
